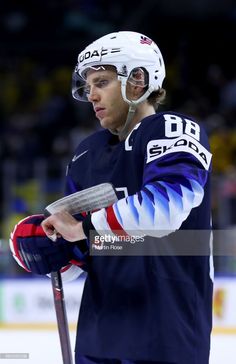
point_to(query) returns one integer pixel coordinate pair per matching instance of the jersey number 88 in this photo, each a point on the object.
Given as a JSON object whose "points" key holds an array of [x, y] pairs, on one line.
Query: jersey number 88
{"points": [[176, 126]]}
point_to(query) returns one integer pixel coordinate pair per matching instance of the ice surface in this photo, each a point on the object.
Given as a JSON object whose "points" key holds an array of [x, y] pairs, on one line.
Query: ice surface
{"points": [[43, 346]]}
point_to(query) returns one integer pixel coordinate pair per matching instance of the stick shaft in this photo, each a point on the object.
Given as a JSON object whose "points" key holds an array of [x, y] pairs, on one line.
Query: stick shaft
{"points": [[62, 322]]}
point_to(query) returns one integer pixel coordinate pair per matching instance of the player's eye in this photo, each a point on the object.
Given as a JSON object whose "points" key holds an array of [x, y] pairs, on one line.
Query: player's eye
{"points": [[102, 83], [99, 84]]}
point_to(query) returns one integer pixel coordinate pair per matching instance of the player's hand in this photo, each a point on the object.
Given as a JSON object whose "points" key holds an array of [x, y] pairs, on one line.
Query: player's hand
{"points": [[34, 251], [65, 225]]}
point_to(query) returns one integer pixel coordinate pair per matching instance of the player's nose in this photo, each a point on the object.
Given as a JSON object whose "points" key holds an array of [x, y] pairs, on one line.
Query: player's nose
{"points": [[93, 94]]}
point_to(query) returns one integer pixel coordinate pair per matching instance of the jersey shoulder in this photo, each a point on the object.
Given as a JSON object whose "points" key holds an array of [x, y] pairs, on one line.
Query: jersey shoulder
{"points": [[168, 135]]}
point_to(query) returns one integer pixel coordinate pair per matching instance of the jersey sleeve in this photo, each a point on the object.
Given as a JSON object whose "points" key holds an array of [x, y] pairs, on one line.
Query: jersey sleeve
{"points": [[176, 167]]}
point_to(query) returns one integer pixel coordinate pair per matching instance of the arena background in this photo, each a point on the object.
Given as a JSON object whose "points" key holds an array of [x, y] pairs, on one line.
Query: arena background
{"points": [[40, 125]]}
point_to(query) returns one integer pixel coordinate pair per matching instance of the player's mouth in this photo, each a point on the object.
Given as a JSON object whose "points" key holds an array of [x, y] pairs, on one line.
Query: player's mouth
{"points": [[100, 112]]}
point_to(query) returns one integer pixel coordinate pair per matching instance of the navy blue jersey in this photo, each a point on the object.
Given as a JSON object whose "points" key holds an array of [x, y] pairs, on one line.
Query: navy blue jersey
{"points": [[148, 307]]}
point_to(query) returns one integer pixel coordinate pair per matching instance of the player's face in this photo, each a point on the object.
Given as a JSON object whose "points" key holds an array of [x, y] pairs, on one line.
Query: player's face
{"points": [[104, 92]]}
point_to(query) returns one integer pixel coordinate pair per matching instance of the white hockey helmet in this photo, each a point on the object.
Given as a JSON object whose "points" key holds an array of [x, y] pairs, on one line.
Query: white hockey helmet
{"points": [[126, 51]]}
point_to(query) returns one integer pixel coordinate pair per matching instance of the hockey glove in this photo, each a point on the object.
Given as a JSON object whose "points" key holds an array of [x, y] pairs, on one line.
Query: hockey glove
{"points": [[35, 252]]}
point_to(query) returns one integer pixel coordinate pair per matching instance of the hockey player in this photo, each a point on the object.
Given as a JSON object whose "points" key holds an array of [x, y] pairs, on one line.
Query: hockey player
{"points": [[141, 308]]}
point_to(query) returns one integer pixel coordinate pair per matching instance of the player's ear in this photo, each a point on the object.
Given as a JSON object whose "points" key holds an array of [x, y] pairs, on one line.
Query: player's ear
{"points": [[136, 83]]}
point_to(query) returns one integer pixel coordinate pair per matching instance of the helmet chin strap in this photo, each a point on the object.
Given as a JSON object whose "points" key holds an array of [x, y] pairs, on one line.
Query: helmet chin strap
{"points": [[122, 134]]}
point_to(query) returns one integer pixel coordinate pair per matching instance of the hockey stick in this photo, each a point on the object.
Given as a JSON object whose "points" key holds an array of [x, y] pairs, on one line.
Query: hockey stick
{"points": [[87, 200]]}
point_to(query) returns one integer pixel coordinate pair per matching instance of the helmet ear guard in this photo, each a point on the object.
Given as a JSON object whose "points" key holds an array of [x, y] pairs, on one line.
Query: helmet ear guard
{"points": [[138, 77]]}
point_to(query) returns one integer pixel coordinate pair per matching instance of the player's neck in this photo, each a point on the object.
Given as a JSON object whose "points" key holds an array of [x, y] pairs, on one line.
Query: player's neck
{"points": [[142, 111]]}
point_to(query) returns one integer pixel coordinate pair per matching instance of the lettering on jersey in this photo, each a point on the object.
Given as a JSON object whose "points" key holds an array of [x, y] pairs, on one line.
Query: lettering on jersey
{"points": [[96, 54], [159, 148]]}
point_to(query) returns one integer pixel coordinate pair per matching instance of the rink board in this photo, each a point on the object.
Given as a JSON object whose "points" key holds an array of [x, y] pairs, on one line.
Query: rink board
{"points": [[28, 304]]}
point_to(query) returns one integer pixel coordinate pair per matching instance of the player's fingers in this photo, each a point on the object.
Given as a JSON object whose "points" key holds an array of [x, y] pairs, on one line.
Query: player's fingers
{"points": [[56, 225], [64, 224], [48, 228]]}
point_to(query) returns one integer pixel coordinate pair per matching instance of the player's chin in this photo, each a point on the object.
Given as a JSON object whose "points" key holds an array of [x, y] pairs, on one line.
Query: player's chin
{"points": [[106, 123]]}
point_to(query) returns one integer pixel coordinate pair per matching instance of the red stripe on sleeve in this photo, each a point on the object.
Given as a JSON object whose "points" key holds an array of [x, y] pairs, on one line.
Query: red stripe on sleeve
{"points": [[76, 262], [114, 223]]}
